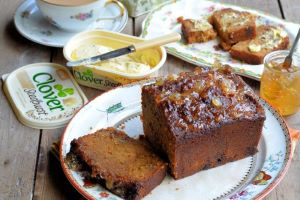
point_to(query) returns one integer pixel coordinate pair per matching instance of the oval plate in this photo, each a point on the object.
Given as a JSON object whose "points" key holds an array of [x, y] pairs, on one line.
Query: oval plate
{"points": [[249, 178], [31, 24], [163, 20]]}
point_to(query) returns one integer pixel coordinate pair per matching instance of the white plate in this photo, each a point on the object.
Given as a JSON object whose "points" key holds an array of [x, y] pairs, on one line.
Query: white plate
{"points": [[164, 20], [249, 178], [32, 25]]}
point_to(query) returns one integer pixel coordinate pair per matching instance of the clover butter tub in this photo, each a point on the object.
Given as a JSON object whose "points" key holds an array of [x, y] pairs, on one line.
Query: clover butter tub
{"points": [[114, 72]]}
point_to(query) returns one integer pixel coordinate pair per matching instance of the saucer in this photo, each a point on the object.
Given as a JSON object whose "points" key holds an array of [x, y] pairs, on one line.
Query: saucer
{"points": [[32, 25]]}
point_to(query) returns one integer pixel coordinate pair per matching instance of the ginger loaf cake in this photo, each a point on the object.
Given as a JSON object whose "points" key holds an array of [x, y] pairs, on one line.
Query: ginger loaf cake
{"points": [[202, 119], [197, 30], [125, 166], [233, 26], [268, 39]]}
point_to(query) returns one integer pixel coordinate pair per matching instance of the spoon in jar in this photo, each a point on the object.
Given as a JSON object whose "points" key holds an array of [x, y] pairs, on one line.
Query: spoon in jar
{"points": [[289, 59]]}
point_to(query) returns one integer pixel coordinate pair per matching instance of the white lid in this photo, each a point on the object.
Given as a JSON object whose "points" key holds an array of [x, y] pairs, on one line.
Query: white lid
{"points": [[43, 95]]}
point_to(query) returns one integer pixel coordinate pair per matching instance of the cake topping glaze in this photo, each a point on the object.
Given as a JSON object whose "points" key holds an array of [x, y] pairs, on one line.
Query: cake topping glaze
{"points": [[205, 98]]}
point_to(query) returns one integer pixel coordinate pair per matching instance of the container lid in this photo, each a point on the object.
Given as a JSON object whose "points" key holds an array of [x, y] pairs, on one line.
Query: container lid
{"points": [[43, 95]]}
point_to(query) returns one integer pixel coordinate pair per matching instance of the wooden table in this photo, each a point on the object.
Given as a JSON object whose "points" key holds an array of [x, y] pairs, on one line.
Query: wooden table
{"points": [[29, 171]]}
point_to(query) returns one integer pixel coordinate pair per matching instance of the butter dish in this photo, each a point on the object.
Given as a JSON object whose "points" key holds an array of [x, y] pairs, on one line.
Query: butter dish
{"points": [[110, 75]]}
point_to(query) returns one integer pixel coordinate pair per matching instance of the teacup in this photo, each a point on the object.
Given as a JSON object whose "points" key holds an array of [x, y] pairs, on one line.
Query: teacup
{"points": [[75, 17]]}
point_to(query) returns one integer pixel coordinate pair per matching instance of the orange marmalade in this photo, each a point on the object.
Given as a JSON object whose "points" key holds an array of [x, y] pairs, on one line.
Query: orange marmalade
{"points": [[281, 86]]}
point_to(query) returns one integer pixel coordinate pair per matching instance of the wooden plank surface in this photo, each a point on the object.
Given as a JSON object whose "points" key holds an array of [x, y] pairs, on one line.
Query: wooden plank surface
{"points": [[291, 10], [28, 170], [18, 144], [268, 6]]}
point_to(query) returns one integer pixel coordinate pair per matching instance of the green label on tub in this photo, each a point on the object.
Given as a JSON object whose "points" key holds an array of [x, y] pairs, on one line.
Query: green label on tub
{"points": [[50, 91], [88, 78], [46, 93]]}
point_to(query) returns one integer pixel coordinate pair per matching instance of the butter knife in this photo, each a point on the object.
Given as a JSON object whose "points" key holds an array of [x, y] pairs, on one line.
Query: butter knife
{"points": [[173, 37]]}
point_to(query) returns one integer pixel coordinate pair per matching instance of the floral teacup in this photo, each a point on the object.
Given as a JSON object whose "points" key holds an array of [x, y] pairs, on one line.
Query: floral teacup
{"points": [[75, 18]]}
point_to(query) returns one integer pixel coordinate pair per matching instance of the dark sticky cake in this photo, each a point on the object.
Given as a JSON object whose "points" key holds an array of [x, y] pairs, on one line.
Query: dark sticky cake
{"points": [[125, 166], [202, 119]]}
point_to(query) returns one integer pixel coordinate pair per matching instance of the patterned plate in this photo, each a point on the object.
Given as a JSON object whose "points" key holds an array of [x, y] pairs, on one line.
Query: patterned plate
{"points": [[249, 178], [164, 20], [31, 24]]}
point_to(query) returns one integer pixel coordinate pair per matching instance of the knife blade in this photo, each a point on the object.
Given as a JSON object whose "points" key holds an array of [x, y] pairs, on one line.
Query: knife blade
{"points": [[102, 57]]}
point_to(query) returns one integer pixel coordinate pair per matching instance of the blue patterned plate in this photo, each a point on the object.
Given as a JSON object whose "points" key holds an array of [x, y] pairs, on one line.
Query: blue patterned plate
{"points": [[249, 178]]}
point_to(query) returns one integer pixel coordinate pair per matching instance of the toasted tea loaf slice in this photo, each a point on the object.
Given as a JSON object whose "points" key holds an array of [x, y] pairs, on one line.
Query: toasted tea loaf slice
{"points": [[234, 26], [197, 30], [268, 39], [125, 166]]}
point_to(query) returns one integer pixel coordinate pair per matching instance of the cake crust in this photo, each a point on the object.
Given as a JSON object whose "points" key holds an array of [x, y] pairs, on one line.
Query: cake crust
{"points": [[268, 39], [201, 119], [125, 166], [234, 26], [197, 30]]}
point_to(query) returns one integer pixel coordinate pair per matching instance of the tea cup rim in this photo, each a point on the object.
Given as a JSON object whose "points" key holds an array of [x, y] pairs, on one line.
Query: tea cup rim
{"points": [[62, 5]]}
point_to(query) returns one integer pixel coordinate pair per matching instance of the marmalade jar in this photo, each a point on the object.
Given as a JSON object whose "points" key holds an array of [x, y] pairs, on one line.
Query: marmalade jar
{"points": [[280, 87]]}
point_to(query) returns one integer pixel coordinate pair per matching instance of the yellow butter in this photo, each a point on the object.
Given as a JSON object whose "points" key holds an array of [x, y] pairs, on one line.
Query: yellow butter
{"points": [[254, 47], [270, 39], [201, 25], [124, 64]]}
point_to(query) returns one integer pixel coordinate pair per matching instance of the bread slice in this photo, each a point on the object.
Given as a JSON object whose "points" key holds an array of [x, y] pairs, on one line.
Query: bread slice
{"points": [[234, 26], [197, 30], [125, 166], [268, 39]]}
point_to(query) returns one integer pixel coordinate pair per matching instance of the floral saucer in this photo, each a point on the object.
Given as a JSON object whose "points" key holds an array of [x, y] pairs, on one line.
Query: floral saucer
{"points": [[32, 25]]}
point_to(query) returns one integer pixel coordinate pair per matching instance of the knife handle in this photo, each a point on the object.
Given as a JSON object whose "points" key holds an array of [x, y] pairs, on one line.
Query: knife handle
{"points": [[159, 41]]}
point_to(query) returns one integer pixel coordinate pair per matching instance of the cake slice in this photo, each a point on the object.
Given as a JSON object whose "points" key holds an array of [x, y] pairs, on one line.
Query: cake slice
{"points": [[125, 166], [268, 39], [233, 26], [197, 30], [203, 119]]}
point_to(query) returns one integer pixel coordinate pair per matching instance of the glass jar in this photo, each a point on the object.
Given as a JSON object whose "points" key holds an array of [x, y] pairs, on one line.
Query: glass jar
{"points": [[280, 87]]}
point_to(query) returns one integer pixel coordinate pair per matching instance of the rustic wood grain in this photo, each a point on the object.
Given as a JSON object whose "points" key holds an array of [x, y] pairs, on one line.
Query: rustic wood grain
{"points": [[18, 144], [289, 188], [25, 151], [290, 9], [51, 182], [268, 6]]}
